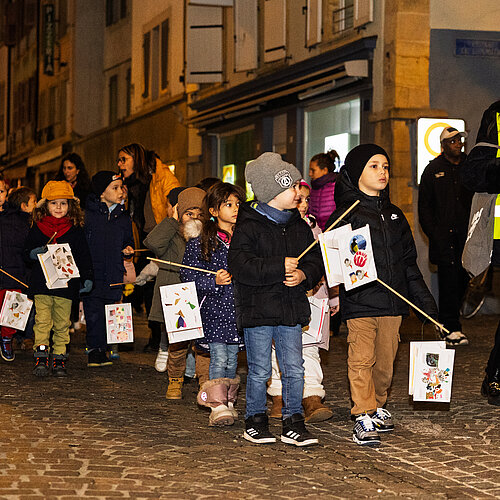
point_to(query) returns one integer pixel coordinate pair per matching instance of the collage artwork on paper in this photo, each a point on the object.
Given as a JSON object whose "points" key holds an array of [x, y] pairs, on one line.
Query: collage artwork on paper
{"points": [[119, 325]]}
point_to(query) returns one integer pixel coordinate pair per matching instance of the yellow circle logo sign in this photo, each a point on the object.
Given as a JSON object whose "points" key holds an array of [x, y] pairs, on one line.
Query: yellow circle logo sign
{"points": [[428, 132]]}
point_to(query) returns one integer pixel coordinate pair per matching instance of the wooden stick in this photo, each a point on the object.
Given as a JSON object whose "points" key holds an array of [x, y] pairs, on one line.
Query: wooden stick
{"points": [[142, 250], [51, 238], [328, 229], [15, 279], [182, 265], [439, 325], [123, 283]]}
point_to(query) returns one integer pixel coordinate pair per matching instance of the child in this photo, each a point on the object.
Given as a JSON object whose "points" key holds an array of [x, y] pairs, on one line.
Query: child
{"points": [[373, 313], [58, 212], [14, 227], [167, 242], [314, 392], [23, 198], [108, 229], [270, 286], [209, 251], [323, 176]]}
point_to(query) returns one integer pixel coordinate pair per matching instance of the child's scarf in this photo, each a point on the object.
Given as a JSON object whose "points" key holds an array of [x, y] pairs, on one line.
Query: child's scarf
{"points": [[50, 225]]}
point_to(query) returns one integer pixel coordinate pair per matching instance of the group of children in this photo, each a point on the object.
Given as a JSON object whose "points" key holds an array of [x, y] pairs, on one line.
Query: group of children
{"points": [[254, 295]]}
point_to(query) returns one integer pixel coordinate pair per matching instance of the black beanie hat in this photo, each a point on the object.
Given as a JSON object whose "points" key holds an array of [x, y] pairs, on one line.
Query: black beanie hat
{"points": [[358, 157], [102, 180]]}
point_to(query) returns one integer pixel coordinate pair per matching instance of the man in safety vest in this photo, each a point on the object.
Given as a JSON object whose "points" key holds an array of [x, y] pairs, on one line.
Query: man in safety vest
{"points": [[481, 172]]}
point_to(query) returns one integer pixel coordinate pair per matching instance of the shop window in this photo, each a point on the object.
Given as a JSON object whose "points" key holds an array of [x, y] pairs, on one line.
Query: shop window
{"points": [[332, 127], [235, 151]]}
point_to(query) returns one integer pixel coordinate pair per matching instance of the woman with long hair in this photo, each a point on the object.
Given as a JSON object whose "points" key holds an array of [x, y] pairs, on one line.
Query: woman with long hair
{"points": [[73, 171]]}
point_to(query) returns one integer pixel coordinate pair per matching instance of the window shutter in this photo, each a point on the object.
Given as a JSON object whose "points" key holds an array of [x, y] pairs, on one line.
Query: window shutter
{"points": [[313, 31], [212, 3], [245, 35], [363, 12], [204, 44], [274, 30]]}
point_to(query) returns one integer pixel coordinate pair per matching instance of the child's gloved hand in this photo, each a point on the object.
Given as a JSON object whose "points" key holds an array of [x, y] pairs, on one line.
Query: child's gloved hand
{"points": [[34, 253], [87, 286]]}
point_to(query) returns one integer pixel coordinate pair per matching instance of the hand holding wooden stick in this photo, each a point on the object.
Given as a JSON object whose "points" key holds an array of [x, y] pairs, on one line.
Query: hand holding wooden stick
{"points": [[182, 265], [328, 229], [15, 279]]}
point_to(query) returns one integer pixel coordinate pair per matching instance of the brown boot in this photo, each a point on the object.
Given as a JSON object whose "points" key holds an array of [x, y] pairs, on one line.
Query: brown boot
{"points": [[174, 390], [276, 408], [315, 410]]}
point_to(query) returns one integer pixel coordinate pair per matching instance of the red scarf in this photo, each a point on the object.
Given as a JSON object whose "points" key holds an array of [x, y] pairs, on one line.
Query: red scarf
{"points": [[50, 225]]}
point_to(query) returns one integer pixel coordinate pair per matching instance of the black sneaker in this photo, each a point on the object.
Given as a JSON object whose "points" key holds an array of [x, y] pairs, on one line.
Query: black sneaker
{"points": [[382, 420], [41, 356], [364, 432], [6, 350], [59, 366], [295, 432], [257, 429], [98, 358]]}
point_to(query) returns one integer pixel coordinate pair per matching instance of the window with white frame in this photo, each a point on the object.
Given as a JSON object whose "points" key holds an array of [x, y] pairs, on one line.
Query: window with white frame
{"points": [[155, 47]]}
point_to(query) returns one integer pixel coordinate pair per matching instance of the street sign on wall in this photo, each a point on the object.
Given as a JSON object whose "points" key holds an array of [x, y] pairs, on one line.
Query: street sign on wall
{"points": [[428, 144], [48, 38]]}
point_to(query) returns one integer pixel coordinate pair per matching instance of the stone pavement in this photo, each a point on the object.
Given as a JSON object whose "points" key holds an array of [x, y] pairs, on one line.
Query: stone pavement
{"points": [[109, 433]]}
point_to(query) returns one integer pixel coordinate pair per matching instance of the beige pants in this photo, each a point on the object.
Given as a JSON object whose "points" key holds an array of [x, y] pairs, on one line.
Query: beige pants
{"points": [[373, 344], [176, 363]]}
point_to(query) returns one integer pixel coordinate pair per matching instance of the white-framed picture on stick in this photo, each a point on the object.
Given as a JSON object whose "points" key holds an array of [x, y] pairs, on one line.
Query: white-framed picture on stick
{"points": [[181, 311], [15, 311], [431, 371], [329, 245], [119, 325], [58, 265]]}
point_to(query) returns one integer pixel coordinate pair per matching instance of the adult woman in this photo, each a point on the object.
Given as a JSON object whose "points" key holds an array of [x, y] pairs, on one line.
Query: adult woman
{"points": [[73, 171], [148, 182]]}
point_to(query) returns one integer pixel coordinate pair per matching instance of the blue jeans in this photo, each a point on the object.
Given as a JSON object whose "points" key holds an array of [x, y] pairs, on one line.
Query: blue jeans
{"points": [[223, 360], [288, 344]]}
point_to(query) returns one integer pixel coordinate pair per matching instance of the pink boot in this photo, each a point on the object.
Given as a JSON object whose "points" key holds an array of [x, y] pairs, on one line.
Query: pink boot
{"points": [[232, 393], [213, 393]]}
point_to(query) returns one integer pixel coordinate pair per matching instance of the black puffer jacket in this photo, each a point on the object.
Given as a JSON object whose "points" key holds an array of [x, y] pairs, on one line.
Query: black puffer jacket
{"points": [[14, 227], [443, 210], [394, 252], [256, 260]]}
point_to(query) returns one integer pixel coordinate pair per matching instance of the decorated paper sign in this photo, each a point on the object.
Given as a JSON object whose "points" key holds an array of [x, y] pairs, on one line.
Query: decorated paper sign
{"points": [[15, 311], [181, 311], [356, 257], [58, 265], [331, 255], [431, 371], [119, 325], [312, 333]]}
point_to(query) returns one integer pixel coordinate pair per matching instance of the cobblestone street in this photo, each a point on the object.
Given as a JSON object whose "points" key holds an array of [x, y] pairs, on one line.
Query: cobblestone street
{"points": [[110, 433]]}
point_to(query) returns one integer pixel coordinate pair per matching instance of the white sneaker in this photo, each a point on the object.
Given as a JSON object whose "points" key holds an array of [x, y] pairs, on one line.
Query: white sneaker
{"points": [[161, 360]]}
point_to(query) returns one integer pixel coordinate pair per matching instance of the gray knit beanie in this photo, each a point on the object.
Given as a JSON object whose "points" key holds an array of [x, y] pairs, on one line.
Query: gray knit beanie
{"points": [[269, 176]]}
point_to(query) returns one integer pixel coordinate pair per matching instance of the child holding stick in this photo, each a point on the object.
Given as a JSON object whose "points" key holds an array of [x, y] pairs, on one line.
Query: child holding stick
{"points": [[167, 241], [374, 313], [108, 229], [14, 227], [270, 286], [58, 219], [209, 251]]}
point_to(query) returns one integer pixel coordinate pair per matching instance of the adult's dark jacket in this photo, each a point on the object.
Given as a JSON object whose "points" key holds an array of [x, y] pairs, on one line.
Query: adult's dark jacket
{"points": [[107, 235], [443, 209], [75, 237], [14, 227], [394, 252], [481, 171], [137, 191], [256, 259]]}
